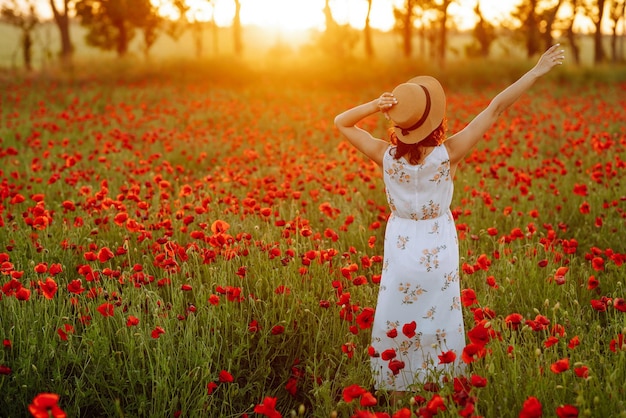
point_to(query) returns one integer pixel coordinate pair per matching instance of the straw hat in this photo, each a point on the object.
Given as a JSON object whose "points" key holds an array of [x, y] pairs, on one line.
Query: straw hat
{"points": [[420, 109]]}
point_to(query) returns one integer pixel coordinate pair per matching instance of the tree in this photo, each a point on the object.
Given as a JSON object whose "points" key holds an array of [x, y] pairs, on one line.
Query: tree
{"points": [[596, 15], [576, 6], [617, 12], [484, 33], [404, 20], [111, 23], [442, 42], [536, 20], [367, 31], [62, 20], [547, 18], [526, 14], [151, 26], [337, 41], [237, 28], [25, 18]]}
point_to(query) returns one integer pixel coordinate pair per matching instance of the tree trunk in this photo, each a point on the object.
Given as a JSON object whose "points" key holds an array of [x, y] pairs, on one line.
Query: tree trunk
{"points": [[443, 32], [571, 37], [197, 31], [216, 44], [532, 38], [367, 32], [550, 18], [237, 28], [407, 32], [27, 49], [598, 55], [122, 38], [63, 23]]}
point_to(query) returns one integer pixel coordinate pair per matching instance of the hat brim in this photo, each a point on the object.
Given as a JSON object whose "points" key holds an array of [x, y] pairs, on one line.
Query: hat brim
{"points": [[435, 116]]}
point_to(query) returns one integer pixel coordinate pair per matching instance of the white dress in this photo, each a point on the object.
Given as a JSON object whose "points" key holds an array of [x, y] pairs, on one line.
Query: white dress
{"points": [[418, 314]]}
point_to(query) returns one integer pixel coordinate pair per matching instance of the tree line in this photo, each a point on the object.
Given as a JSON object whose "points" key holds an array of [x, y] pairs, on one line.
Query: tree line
{"points": [[112, 24]]}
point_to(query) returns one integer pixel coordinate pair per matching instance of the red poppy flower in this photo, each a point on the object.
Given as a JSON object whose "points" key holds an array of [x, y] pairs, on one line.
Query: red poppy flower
{"points": [[559, 276], [483, 262], [447, 357], [550, 341], [592, 283], [582, 371], [22, 294], [277, 329], [352, 392], [75, 286], [268, 408], [395, 366], [619, 304], [156, 332], [601, 304], [409, 329], [574, 342], [580, 189], [48, 288], [132, 321], [436, 404], [388, 354], [392, 333], [531, 408], [105, 254], [226, 377], [348, 349], [367, 399], [513, 321], [560, 366], [253, 326], [403, 413], [478, 381], [468, 297], [45, 405], [41, 268], [211, 386], [55, 269], [584, 208], [617, 344], [597, 263], [567, 411], [365, 319], [472, 352], [106, 309], [481, 334]]}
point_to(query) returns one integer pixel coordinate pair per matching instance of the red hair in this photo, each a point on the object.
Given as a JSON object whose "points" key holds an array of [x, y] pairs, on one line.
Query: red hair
{"points": [[414, 152]]}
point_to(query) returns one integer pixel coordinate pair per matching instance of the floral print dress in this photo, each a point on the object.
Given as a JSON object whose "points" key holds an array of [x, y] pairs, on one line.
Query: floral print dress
{"points": [[418, 315]]}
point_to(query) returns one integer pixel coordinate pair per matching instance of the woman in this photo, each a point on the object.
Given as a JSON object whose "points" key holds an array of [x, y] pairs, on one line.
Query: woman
{"points": [[418, 333]]}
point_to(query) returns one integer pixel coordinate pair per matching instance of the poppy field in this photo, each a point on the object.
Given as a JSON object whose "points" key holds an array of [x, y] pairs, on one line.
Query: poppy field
{"points": [[214, 249]]}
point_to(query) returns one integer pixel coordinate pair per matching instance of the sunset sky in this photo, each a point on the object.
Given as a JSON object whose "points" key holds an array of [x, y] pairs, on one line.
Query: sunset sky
{"points": [[296, 15]]}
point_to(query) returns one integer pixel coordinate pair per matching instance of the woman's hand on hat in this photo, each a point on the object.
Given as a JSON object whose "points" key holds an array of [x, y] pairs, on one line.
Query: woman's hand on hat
{"points": [[552, 57], [385, 102]]}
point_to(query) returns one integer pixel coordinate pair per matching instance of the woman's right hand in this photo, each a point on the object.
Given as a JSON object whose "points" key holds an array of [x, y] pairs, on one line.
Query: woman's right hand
{"points": [[385, 102]]}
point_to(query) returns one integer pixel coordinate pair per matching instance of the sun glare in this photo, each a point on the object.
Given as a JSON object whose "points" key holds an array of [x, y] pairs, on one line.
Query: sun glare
{"points": [[284, 15]]}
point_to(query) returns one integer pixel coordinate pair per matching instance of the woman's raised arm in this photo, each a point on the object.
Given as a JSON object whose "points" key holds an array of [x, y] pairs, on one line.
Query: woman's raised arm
{"points": [[374, 148], [461, 143]]}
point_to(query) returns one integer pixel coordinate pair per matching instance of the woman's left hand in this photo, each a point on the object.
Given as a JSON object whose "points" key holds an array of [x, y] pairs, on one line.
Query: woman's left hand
{"points": [[552, 57]]}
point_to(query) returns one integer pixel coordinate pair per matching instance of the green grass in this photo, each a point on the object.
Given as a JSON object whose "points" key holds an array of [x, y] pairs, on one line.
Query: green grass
{"points": [[243, 144]]}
